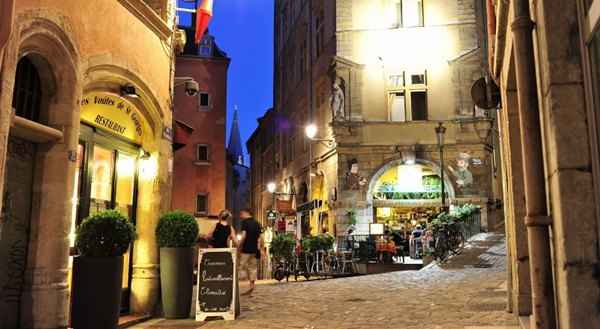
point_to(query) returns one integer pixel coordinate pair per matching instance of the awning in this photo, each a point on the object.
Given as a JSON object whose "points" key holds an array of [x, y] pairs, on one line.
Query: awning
{"points": [[181, 134]]}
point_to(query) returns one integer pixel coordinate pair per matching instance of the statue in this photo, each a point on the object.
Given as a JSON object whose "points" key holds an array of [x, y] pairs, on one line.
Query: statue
{"points": [[354, 181], [337, 100]]}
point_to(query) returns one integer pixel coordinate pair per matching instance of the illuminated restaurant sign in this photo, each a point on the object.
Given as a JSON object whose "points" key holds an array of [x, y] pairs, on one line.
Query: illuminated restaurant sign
{"points": [[114, 114]]}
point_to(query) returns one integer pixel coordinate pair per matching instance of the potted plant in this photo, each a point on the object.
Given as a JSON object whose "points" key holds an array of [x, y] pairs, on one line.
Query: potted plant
{"points": [[176, 234], [101, 241]]}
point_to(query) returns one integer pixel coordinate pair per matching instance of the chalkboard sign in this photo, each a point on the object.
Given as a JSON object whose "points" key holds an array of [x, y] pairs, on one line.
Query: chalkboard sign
{"points": [[217, 284]]}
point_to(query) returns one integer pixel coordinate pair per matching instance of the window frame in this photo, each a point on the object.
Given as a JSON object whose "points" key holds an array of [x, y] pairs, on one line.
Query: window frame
{"points": [[201, 107], [421, 18], [407, 88], [208, 154], [197, 211]]}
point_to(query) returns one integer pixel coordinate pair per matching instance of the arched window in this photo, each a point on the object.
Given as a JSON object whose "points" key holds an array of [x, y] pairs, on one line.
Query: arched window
{"points": [[27, 95]]}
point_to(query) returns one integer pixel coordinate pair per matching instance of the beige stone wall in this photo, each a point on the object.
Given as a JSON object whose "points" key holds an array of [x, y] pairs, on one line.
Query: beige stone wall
{"points": [[568, 163], [89, 46], [447, 47], [568, 167]]}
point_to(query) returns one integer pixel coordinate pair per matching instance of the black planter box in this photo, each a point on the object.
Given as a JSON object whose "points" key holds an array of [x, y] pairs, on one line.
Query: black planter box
{"points": [[96, 292]]}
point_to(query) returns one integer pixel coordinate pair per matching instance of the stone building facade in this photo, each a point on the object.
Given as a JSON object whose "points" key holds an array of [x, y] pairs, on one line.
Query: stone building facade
{"points": [[64, 64], [200, 181], [376, 78], [545, 60]]}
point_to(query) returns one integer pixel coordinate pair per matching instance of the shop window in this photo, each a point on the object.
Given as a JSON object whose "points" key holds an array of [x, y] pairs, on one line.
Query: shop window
{"points": [[201, 204], [27, 95], [203, 101], [202, 153]]}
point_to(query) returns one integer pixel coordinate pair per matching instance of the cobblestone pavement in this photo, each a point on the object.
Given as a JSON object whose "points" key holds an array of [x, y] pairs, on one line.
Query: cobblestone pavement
{"points": [[467, 292]]}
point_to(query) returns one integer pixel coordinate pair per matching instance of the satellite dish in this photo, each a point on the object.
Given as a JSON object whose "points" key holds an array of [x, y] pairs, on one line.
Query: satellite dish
{"points": [[485, 94]]}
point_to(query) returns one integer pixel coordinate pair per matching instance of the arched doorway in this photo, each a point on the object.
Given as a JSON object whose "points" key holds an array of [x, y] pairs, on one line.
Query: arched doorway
{"points": [[405, 196], [30, 95]]}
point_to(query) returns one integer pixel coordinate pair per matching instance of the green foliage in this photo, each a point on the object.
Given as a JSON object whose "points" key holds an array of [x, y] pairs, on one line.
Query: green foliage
{"points": [[351, 214], [176, 229], [282, 246], [321, 242], [432, 183], [464, 211], [105, 234], [408, 195]]}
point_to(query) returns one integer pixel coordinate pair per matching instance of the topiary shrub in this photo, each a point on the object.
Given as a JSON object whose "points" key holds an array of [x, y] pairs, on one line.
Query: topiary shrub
{"points": [[176, 229], [105, 234]]}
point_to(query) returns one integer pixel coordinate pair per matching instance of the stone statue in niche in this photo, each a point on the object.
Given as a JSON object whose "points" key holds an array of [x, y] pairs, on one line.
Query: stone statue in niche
{"points": [[464, 177], [353, 179], [337, 99]]}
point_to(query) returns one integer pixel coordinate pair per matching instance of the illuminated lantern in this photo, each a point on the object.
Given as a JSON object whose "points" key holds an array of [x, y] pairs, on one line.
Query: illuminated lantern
{"points": [[203, 16]]}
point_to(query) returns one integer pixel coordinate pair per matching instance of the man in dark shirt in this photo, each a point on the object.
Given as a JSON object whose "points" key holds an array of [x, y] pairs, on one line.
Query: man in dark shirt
{"points": [[249, 247]]}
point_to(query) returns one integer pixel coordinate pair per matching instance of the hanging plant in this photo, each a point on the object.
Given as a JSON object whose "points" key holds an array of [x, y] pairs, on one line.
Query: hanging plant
{"points": [[351, 214]]}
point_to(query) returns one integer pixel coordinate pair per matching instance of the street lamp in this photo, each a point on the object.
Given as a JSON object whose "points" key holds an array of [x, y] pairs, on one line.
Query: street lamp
{"points": [[440, 130], [271, 187], [311, 130]]}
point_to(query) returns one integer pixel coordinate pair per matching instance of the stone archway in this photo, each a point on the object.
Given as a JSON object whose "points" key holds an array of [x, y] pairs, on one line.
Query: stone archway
{"points": [[44, 297], [449, 188]]}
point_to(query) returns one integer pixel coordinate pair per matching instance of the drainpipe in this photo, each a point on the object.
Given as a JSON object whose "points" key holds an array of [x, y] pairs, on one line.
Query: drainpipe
{"points": [[536, 219]]}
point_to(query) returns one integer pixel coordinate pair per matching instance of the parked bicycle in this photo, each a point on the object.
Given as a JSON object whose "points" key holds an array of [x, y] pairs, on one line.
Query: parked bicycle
{"points": [[448, 237]]}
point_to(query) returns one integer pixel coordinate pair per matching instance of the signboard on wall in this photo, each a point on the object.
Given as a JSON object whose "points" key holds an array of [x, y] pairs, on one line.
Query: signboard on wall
{"points": [[217, 284], [114, 114]]}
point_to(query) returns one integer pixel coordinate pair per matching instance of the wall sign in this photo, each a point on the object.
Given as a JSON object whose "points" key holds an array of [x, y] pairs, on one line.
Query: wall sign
{"points": [[114, 114], [217, 284]]}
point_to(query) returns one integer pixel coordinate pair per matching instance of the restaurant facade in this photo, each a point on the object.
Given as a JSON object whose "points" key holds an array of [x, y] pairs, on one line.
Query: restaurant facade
{"points": [[85, 125]]}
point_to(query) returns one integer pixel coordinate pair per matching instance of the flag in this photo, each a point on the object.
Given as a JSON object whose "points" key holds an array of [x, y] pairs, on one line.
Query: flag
{"points": [[203, 16]]}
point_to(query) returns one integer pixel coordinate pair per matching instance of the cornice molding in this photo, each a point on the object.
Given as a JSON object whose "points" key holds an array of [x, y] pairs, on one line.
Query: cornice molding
{"points": [[149, 17]]}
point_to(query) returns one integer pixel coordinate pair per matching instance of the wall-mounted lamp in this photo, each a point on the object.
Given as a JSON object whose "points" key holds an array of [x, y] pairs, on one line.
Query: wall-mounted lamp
{"points": [[311, 132], [129, 91], [144, 155]]}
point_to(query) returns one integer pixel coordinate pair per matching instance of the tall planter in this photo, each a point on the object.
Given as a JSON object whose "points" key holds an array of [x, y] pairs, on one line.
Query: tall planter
{"points": [[97, 280], [177, 279], [96, 292], [176, 234]]}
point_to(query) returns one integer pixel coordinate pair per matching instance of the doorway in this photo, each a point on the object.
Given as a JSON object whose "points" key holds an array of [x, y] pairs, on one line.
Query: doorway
{"points": [[107, 179]]}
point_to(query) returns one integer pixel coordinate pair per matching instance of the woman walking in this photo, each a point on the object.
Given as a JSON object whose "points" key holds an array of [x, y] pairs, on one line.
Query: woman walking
{"points": [[223, 231]]}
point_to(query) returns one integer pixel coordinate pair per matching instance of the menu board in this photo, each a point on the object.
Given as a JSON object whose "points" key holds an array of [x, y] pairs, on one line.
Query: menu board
{"points": [[217, 284]]}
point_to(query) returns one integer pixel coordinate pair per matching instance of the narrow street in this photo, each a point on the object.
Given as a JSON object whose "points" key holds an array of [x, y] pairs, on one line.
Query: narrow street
{"points": [[467, 292]]}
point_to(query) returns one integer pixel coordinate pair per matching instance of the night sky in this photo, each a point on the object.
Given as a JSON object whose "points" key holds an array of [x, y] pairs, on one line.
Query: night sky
{"points": [[244, 30]]}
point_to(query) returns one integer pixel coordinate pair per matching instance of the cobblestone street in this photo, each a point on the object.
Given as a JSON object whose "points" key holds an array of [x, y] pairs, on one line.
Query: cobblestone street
{"points": [[467, 292]]}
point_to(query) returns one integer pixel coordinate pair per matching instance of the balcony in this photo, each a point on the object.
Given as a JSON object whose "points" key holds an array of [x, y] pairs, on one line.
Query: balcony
{"points": [[463, 131]]}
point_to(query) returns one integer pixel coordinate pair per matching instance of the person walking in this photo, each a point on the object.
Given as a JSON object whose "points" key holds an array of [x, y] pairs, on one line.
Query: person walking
{"points": [[249, 248], [223, 232]]}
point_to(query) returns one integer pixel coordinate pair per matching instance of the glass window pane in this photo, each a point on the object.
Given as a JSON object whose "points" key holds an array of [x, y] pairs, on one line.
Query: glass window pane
{"points": [[412, 13], [202, 203], [102, 179], [418, 101], [75, 195], [397, 107], [204, 99], [126, 166]]}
